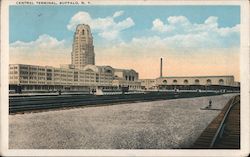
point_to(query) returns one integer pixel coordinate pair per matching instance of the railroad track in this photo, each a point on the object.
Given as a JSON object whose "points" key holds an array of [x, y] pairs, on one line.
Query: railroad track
{"points": [[224, 131], [27, 104]]}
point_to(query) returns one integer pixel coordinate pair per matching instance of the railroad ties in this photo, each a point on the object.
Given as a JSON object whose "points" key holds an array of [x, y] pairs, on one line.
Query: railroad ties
{"points": [[42, 103], [224, 131]]}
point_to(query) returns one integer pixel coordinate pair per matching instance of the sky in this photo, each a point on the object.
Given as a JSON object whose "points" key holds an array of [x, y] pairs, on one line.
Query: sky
{"points": [[193, 40]]}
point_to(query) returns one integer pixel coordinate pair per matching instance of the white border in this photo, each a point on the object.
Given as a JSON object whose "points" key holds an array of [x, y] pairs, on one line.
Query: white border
{"points": [[244, 79]]}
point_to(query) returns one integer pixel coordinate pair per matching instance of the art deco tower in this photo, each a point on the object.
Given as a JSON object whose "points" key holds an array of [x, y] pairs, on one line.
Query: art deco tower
{"points": [[82, 48]]}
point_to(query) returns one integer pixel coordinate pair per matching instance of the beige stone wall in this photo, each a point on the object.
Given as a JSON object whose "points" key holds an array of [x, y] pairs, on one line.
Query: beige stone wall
{"points": [[126, 74], [82, 48], [133, 85], [42, 75], [148, 83], [126, 77], [90, 75], [199, 80]]}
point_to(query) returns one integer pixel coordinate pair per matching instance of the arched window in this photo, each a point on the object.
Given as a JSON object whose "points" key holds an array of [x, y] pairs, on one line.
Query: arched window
{"points": [[175, 81], [197, 81], [108, 71], [164, 81], [209, 82], [185, 81], [89, 70], [221, 82]]}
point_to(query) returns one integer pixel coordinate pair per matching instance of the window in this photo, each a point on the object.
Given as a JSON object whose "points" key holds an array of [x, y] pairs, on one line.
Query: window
{"points": [[175, 81], [209, 82], [221, 82], [23, 68], [108, 71], [164, 81], [83, 32], [197, 81], [185, 81]]}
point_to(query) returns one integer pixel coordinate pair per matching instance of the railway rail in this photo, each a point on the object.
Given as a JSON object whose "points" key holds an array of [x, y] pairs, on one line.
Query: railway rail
{"points": [[224, 131], [28, 104]]}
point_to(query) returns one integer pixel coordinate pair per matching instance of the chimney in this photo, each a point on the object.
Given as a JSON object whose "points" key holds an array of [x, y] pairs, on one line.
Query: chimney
{"points": [[161, 68]]}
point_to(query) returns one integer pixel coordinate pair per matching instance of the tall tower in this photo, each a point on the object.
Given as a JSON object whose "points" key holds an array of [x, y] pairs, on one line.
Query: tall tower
{"points": [[82, 48]]}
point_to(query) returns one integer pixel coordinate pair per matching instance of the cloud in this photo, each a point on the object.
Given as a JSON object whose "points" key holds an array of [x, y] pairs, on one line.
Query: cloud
{"points": [[106, 27], [42, 42], [118, 13], [188, 49], [178, 31], [176, 24], [159, 26], [45, 50]]}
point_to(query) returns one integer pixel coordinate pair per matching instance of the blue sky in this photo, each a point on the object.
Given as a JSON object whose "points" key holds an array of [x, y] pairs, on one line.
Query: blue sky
{"points": [[196, 40], [27, 23]]}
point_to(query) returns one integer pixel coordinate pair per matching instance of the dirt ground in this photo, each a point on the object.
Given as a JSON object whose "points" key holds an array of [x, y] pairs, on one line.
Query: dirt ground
{"points": [[159, 124]]}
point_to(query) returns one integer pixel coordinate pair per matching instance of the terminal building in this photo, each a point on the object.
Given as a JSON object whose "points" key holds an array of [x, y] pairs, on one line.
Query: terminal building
{"points": [[81, 75], [226, 82]]}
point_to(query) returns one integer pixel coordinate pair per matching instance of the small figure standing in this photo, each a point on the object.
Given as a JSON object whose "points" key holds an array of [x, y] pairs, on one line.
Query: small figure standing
{"points": [[210, 103]]}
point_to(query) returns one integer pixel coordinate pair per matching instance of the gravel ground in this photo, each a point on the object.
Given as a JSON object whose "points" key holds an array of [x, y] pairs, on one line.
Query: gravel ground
{"points": [[158, 124]]}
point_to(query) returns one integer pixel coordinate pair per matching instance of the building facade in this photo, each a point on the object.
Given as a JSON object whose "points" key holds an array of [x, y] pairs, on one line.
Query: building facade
{"points": [[197, 80], [189, 82], [81, 75], [126, 78], [148, 84], [82, 47], [46, 78]]}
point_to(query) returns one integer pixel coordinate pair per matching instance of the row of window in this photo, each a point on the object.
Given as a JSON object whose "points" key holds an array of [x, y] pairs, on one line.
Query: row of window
{"points": [[221, 81], [13, 67], [59, 73], [130, 78], [151, 81], [13, 72], [11, 77], [31, 68]]}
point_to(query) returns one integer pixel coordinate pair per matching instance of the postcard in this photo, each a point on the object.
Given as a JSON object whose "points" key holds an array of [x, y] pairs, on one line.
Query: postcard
{"points": [[124, 78]]}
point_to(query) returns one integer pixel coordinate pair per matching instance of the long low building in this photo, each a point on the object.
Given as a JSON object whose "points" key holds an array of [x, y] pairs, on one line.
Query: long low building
{"points": [[189, 81], [224, 82], [197, 80], [68, 78]]}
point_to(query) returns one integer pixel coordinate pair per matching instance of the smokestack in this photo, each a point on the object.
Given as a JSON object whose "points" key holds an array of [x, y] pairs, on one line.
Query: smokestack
{"points": [[161, 68]]}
